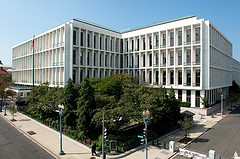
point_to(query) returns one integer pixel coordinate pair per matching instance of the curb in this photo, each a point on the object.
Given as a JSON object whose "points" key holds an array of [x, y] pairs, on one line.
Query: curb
{"points": [[56, 132], [32, 139]]}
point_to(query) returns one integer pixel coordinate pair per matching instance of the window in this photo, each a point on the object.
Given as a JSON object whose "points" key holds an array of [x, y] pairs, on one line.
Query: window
{"points": [[106, 60], [144, 76], [197, 77], [121, 61], [101, 43], [88, 40], [137, 44], [164, 40], [180, 77], [132, 45], [172, 39], [164, 78], [188, 77], [188, 60], [132, 61], [106, 44], [144, 44], [150, 59], [87, 73], [180, 94], [81, 38], [81, 58], [164, 58], [94, 60], [88, 58], [157, 40], [197, 99], [150, 77], [74, 37], [188, 37], [171, 76], [188, 96], [81, 75], [157, 60], [180, 37], [171, 58], [121, 46], [179, 57], [111, 45], [95, 42], [127, 46], [74, 76], [74, 57], [100, 60], [143, 60], [157, 76], [197, 56], [150, 42], [197, 34]]}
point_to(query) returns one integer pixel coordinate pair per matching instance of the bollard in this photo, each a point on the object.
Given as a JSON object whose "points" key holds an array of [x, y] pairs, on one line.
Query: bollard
{"points": [[212, 154]]}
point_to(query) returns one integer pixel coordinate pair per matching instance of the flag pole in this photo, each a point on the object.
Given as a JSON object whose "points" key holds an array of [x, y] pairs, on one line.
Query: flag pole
{"points": [[33, 57]]}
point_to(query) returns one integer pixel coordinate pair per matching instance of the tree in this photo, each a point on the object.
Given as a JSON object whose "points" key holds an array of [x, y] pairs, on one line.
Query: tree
{"points": [[70, 105], [13, 110], [205, 102], [186, 125], [85, 107], [5, 81]]}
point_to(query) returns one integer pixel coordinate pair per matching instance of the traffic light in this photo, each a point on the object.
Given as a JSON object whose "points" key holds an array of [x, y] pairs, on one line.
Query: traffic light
{"points": [[105, 133], [144, 132]]}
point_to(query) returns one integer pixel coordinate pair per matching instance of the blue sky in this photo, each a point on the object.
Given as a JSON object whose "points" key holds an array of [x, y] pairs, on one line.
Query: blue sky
{"points": [[21, 19]]}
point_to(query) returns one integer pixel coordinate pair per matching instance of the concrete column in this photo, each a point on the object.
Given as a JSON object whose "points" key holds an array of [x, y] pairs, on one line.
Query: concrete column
{"points": [[212, 154]]}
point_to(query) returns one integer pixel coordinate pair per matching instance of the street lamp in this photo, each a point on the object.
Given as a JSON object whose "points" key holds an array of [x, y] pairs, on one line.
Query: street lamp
{"points": [[145, 119], [61, 107], [221, 92], [5, 106]]}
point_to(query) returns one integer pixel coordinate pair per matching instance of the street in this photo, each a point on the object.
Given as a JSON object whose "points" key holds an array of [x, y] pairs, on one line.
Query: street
{"points": [[14, 145], [223, 137]]}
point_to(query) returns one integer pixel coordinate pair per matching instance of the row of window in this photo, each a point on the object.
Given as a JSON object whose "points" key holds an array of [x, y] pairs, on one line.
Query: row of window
{"points": [[105, 43]]}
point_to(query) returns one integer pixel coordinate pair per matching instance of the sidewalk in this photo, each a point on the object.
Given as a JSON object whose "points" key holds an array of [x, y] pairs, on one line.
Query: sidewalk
{"points": [[48, 139]]}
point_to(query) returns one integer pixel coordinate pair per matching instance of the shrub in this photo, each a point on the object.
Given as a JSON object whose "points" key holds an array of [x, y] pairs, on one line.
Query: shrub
{"points": [[185, 104]]}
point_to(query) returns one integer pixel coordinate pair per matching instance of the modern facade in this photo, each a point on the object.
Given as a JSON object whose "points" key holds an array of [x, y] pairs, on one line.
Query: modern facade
{"points": [[188, 54]]}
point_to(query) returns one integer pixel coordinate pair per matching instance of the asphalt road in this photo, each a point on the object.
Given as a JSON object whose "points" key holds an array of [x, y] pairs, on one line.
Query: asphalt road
{"points": [[224, 137], [14, 145]]}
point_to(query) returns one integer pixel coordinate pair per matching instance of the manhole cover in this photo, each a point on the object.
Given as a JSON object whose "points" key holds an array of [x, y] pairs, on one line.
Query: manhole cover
{"points": [[31, 132]]}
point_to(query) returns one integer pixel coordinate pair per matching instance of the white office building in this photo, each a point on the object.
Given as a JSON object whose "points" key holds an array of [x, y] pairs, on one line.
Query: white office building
{"points": [[188, 54]]}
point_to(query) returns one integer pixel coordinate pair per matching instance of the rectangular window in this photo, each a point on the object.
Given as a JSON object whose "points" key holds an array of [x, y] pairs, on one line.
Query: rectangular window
{"points": [[197, 99], [87, 73], [150, 60], [157, 41], [132, 45], [157, 59], [164, 58], [179, 57], [144, 76], [171, 76], [101, 43], [121, 61], [81, 75], [150, 42], [188, 57], [197, 56], [180, 37], [111, 45], [164, 78], [171, 58], [88, 58], [81, 39], [127, 46], [180, 77], [94, 60], [172, 39], [188, 77], [81, 58], [197, 78], [74, 37], [106, 44], [74, 57], [144, 44], [188, 36], [164, 40], [150, 77], [137, 44], [157, 76], [197, 34], [143, 60], [106, 60], [100, 59], [74, 76], [188, 96], [88, 40], [121, 46], [95, 42], [180, 95]]}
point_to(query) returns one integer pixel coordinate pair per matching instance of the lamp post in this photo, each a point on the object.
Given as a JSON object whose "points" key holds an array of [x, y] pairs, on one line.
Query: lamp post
{"points": [[221, 104], [61, 107], [103, 156], [5, 106], [145, 119]]}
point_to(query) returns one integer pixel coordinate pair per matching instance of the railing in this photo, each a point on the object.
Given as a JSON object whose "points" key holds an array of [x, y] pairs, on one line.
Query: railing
{"points": [[187, 63], [163, 83], [187, 43], [136, 66], [196, 84], [163, 46], [196, 42], [155, 47], [163, 64], [155, 65], [187, 84], [196, 63]]}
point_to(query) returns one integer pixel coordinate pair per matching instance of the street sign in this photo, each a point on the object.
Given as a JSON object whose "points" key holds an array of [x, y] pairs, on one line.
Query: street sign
{"points": [[140, 136]]}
